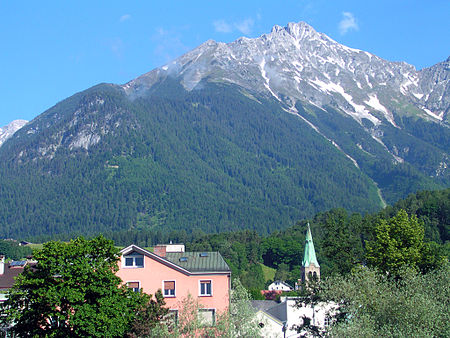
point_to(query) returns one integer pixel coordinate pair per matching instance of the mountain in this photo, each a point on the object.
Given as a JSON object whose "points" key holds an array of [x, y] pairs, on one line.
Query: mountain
{"points": [[297, 64], [8, 130], [257, 134]]}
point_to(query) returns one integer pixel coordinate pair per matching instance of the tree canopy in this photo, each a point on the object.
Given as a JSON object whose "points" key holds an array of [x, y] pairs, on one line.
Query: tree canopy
{"points": [[398, 242], [72, 291]]}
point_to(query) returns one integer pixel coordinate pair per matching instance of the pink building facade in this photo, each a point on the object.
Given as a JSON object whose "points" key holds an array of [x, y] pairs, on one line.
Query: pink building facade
{"points": [[203, 275]]}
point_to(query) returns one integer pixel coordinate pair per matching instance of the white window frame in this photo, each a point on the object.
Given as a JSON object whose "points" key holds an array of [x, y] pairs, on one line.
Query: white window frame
{"points": [[134, 281], [174, 289], [134, 266], [200, 288]]}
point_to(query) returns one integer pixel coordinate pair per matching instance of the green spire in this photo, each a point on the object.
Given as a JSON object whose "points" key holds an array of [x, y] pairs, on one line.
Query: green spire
{"points": [[309, 256]]}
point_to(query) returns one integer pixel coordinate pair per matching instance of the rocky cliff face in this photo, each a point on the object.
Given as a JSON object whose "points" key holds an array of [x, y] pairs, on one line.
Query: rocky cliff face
{"points": [[434, 82]]}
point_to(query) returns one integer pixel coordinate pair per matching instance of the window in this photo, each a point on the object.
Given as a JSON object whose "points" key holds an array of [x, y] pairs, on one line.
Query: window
{"points": [[134, 286], [207, 317], [169, 288], [326, 321], [205, 288], [172, 319], [134, 260]]}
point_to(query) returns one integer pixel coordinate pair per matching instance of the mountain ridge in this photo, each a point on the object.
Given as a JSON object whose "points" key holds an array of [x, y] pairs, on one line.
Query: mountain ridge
{"points": [[257, 133], [288, 53]]}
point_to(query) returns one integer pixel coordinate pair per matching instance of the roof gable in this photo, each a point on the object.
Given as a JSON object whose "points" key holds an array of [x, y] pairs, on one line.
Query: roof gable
{"points": [[195, 262]]}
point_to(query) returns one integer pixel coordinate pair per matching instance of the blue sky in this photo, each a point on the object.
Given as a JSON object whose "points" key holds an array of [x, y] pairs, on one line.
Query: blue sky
{"points": [[53, 49]]}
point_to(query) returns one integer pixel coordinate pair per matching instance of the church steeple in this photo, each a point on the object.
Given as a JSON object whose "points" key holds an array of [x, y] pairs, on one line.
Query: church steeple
{"points": [[309, 256], [310, 265]]}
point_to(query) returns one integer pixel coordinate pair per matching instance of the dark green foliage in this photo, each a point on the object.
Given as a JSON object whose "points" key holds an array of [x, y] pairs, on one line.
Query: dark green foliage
{"points": [[340, 240], [12, 250], [430, 207]]}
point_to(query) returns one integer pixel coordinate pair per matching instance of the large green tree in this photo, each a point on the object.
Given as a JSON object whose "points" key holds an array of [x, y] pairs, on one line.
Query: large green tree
{"points": [[397, 242], [72, 291]]}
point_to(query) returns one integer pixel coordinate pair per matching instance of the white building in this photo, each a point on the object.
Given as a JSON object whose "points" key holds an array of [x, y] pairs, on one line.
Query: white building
{"points": [[279, 320], [279, 285]]}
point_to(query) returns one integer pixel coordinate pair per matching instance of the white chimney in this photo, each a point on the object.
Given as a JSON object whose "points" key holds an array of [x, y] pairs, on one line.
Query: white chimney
{"points": [[2, 264]]}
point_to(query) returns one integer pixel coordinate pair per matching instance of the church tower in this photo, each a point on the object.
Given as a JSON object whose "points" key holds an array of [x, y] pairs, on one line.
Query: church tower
{"points": [[310, 266]]}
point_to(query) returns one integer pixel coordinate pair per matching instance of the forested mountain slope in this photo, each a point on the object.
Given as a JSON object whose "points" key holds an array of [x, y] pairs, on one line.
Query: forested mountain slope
{"points": [[254, 134], [212, 159]]}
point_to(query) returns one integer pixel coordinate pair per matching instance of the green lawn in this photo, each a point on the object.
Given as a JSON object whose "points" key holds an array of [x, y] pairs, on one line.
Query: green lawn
{"points": [[269, 273]]}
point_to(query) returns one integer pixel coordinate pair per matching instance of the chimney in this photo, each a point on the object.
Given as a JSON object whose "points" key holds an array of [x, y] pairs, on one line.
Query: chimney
{"points": [[160, 250], [2, 264]]}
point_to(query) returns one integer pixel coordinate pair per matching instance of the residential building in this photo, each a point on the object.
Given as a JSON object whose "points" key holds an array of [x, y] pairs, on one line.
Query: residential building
{"points": [[282, 319], [8, 273], [204, 275]]}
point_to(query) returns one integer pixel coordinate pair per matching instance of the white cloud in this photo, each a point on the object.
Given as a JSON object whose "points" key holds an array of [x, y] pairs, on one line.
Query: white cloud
{"points": [[222, 26], [125, 17], [245, 26], [347, 23]]}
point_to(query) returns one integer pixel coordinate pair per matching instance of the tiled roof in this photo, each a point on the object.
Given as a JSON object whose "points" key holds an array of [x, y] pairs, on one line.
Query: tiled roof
{"points": [[263, 305], [275, 309], [199, 261], [7, 279]]}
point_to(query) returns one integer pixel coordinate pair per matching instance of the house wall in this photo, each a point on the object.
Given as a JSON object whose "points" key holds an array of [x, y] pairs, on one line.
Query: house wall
{"points": [[152, 275], [316, 313], [271, 328]]}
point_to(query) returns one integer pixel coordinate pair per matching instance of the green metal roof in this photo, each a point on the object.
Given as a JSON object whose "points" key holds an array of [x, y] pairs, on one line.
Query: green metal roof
{"points": [[309, 256], [199, 261]]}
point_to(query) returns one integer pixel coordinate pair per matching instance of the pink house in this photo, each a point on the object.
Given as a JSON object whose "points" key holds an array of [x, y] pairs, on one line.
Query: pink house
{"points": [[204, 275]]}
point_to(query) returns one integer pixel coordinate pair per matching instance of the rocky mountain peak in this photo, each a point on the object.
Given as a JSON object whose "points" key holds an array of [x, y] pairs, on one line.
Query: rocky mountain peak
{"points": [[297, 64], [300, 30], [9, 130]]}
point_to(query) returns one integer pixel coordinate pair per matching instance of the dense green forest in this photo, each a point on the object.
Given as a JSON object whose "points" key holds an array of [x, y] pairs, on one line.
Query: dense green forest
{"points": [[194, 161], [340, 239], [12, 250], [214, 159]]}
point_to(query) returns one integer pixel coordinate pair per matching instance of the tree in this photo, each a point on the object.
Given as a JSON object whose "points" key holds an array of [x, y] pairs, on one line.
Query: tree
{"points": [[398, 242], [282, 272], [341, 245], [72, 291], [374, 304], [243, 321]]}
